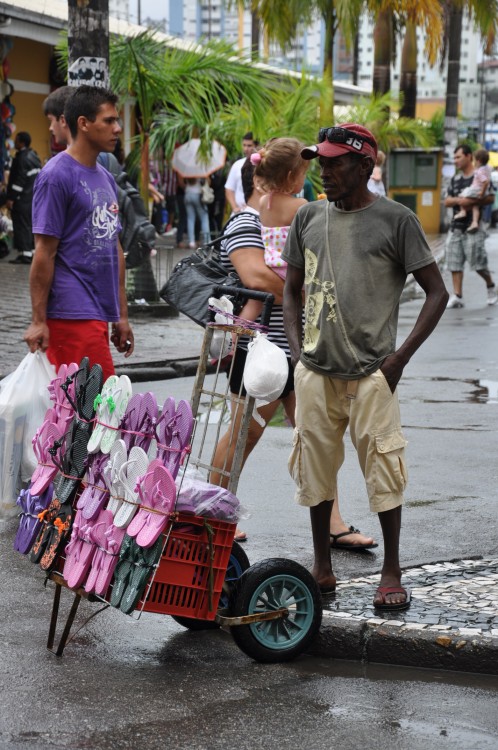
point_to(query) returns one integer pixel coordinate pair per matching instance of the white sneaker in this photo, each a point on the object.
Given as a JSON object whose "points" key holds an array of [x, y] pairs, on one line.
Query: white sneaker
{"points": [[492, 295], [455, 301]]}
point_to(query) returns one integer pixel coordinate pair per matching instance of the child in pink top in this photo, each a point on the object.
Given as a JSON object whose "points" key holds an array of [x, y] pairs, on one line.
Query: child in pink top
{"points": [[279, 174]]}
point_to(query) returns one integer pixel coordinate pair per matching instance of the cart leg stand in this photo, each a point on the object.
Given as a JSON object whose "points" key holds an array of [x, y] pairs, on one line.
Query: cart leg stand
{"points": [[69, 621]]}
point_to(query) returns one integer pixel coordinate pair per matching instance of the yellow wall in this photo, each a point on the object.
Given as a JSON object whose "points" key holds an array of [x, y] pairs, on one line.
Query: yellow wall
{"points": [[429, 215], [29, 61]]}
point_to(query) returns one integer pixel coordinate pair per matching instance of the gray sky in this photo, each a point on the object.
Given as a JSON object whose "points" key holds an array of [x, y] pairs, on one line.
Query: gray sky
{"points": [[149, 8]]}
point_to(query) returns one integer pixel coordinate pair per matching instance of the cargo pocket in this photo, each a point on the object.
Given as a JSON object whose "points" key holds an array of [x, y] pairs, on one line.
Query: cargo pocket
{"points": [[294, 463], [390, 475]]}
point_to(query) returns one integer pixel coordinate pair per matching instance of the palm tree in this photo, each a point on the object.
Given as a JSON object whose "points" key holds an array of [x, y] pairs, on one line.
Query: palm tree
{"points": [[484, 14], [189, 87]]}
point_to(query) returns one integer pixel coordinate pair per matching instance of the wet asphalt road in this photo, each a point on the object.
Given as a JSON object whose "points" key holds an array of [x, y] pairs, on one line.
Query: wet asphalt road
{"points": [[148, 684]]}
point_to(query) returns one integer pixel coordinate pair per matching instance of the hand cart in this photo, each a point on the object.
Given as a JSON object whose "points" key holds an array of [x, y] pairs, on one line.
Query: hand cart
{"points": [[203, 579]]}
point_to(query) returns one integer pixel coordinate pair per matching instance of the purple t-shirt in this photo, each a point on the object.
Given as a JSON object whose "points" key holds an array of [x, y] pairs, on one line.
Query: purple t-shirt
{"points": [[79, 206]]}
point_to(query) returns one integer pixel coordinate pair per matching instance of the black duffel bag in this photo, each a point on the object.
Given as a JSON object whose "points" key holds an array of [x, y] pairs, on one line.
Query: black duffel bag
{"points": [[193, 279]]}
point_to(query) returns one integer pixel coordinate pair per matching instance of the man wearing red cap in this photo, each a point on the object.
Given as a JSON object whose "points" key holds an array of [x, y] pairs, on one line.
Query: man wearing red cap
{"points": [[353, 253]]}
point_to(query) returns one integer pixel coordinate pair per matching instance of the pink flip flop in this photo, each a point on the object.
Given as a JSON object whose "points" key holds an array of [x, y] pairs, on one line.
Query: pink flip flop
{"points": [[131, 421], [108, 539], [157, 491], [176, 434], [46, 444], [79, 551], [95, 494]]}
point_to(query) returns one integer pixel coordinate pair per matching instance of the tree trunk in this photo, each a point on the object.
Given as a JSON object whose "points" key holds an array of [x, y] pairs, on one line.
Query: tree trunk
{"points": [[328, 61], [408, 81], [452, 81], [383, 35], [88, 42], [255, 34]]}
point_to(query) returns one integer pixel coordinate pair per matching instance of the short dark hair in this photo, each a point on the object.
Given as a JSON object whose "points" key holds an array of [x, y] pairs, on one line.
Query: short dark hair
{"points": [[24, 138], [247, 175], [482, 155], [465, 148], [56, 101], [248, 136], [86, 102]]}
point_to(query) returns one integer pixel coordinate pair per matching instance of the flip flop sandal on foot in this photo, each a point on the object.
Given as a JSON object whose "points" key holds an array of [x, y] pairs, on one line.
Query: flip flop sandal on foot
{"points": [[334, 544], [145, 561], [30, 524], [386, 606]]}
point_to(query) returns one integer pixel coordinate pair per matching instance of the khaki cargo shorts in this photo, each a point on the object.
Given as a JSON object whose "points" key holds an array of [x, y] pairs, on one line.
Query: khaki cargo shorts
{"points": [[324, 409]]}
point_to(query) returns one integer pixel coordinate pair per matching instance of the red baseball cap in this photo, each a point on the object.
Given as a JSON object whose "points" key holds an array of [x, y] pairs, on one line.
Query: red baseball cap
{"points": [[342, 139]]}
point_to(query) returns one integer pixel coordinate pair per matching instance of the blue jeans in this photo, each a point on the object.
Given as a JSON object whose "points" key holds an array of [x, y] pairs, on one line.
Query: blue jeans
{"points": [[195, 210]]}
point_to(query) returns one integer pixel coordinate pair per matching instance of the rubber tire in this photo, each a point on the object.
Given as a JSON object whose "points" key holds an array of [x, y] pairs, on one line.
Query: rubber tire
{"points": [[238, 563], [255, 640]]}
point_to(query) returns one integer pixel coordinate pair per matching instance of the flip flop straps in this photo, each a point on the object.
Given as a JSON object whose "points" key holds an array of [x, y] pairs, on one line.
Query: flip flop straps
{"points": [[145, 504]]}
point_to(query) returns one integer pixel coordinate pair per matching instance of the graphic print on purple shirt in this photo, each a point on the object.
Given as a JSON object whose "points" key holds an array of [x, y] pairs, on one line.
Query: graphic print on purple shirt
{"points": [[79, 206]]}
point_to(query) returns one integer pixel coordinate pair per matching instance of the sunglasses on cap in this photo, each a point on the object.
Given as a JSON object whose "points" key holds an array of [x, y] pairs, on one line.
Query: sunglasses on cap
{"points": [[343, 135]]}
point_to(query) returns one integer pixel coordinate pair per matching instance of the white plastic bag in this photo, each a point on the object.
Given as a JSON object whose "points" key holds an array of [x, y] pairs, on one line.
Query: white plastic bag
{"points": [[24, 399], [265, 372], [221, 343]]}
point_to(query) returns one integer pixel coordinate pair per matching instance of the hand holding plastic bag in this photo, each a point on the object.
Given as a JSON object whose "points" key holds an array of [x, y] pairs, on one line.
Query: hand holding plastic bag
{"points": [[24, 399]]}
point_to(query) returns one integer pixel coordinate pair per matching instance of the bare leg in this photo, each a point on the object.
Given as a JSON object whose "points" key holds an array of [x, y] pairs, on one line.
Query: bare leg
{"points": [[487, 277], [322, 567], [390, 521], [457, 278], [475, 219]]}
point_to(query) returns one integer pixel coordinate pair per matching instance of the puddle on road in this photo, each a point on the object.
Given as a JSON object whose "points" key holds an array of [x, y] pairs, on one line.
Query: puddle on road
{"points": [[486, 391]]}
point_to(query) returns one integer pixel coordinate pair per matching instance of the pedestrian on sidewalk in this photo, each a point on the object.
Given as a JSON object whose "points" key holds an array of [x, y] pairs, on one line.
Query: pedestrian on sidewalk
{"points": [[77, 277], [25, 167], [353, 252], [462, 245], [234, 191]]}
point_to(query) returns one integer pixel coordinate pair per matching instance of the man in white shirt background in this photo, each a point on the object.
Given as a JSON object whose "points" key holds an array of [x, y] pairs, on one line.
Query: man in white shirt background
{"points": [[233, 185]]}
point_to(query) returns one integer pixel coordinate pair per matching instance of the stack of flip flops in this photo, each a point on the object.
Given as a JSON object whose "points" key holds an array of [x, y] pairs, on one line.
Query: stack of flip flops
{"points": [[128, 497], [104, 488]]}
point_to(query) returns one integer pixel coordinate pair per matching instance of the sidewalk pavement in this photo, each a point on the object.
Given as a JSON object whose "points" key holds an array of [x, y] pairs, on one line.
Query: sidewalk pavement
{"points": [[453, 619]]}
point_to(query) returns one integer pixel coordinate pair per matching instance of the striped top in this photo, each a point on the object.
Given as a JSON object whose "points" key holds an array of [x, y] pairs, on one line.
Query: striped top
{"points": [[249, 220]]}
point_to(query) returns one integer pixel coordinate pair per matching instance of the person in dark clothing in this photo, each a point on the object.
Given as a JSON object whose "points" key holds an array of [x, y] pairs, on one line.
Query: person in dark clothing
{"points": [[25, 166]]}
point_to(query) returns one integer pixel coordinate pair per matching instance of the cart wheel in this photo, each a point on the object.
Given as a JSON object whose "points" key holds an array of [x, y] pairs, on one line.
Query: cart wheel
{"points": [[237, 564], [267, 586]]}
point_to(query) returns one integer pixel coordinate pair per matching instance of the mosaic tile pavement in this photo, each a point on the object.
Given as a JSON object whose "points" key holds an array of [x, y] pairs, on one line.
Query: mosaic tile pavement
{"points": [[451, 597]]}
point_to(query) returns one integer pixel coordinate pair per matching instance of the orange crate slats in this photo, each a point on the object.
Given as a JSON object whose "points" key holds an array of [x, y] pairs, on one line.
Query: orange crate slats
{"points": [[182, 582]]}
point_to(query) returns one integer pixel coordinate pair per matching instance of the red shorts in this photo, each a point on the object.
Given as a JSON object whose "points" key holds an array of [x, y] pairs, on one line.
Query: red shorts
{"points": [[71, 340]]}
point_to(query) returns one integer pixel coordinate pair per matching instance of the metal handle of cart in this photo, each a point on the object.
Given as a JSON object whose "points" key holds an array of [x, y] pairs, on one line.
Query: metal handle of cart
{"points": [[265, 297]]}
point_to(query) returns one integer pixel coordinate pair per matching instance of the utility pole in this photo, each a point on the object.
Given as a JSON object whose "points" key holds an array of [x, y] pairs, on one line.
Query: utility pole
{"points": [[88, 42]]}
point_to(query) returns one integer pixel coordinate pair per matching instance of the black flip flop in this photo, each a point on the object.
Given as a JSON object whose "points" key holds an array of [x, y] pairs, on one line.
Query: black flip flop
{"points": [[350, 547], [386, 607]]}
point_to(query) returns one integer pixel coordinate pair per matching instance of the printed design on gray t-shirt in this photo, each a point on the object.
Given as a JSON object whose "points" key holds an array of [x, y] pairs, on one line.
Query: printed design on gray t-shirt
{"points": [[321, 293]]}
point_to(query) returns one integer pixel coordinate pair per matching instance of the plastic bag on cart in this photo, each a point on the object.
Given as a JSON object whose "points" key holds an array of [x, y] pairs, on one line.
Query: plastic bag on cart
{"points": [[205, 499], [221, 343], [24, 399], [265, 372]]}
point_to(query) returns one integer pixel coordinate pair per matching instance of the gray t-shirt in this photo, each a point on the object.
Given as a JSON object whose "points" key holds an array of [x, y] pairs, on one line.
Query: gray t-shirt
{"points": [[356, 264]]}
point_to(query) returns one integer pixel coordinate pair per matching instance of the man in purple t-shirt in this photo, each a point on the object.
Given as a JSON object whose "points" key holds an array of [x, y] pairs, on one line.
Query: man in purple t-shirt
{"points": [[77, 275]]}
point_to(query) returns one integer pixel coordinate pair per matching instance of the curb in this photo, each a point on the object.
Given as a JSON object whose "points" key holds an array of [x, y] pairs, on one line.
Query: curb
{"points": [[181, 368], [452, 622], [397, 643]]}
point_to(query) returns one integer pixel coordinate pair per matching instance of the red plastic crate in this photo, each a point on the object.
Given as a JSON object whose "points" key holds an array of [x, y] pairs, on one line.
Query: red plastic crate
{"points": [[181, 584]]}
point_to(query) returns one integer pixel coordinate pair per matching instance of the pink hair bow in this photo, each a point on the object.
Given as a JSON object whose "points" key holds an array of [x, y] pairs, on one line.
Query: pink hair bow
{"points": [[255, 158]]}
